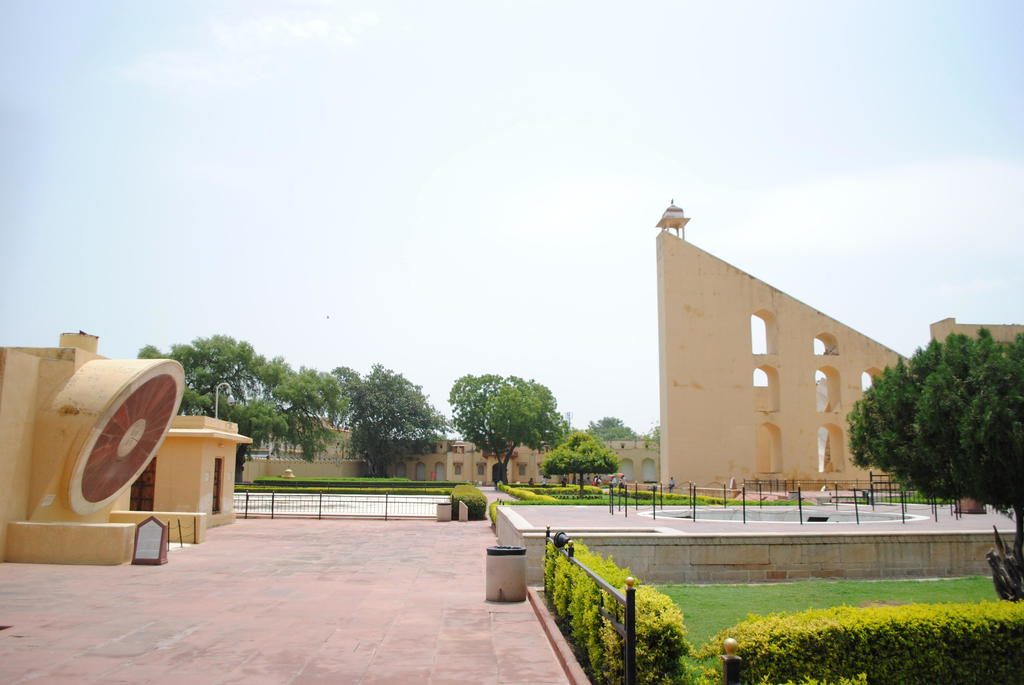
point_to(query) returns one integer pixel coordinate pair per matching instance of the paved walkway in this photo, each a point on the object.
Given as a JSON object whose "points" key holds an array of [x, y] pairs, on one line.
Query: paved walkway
{"points": [[277, 602]]}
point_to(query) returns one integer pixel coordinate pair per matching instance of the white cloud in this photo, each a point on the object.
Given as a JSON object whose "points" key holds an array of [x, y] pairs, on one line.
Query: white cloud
{"points": [[282, 31], [238, 53]]}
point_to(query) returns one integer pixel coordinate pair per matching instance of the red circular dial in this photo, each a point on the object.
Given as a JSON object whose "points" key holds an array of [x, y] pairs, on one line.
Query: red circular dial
{"points": [[129, 437]]}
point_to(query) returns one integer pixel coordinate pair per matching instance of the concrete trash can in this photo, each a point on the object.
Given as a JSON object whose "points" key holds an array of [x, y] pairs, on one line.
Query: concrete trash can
{"points": [[444, 512], [506, 574]]}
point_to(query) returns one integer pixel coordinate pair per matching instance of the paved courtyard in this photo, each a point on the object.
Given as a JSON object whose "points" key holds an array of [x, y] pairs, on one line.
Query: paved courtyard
{"points": [[277, 602]]}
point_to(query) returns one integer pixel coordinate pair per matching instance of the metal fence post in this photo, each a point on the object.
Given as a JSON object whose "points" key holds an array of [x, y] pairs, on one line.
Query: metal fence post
{"points": [[547, 541], [800, 503], [246, 504], [731, 663], [272, 492], [630, 632], [385, 506], [744, 504], [320, 505]]}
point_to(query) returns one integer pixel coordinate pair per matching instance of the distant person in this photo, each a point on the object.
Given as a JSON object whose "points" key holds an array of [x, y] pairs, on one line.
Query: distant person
{"points": [[565, 481], [531, 481], [671, 484]]}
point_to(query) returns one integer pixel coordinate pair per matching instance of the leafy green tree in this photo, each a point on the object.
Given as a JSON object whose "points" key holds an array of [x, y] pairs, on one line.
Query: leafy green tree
{"points": [[497, 414], [950, 423], [611, 428], [266, 398], [652, 438], [390, 417], [580, 454]]}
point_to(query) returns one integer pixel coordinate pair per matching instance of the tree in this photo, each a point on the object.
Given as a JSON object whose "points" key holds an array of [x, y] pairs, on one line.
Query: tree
{"points": [[267, 399], [950, 424], [652, 438], [497, 414], [611, 428], [389, 417], [580, 454]]}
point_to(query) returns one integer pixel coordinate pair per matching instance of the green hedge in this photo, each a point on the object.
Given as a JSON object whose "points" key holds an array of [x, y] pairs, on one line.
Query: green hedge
{"points": [[359, 483], [344, 491], [916, 644], [661, 635], [559, 490], [474, 499], [333, 480], [492, 512], [526, 495]]}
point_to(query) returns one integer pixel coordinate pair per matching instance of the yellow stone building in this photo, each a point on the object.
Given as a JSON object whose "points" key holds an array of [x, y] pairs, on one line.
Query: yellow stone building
{"points": [[77, 430], [754, 383]]}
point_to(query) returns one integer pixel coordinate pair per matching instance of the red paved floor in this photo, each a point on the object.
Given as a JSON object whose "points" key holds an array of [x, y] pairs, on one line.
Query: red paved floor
{"points": [[282, 601]]}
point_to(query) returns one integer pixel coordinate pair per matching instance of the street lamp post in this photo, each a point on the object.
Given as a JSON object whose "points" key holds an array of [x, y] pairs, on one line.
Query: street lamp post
{"points": [[216, 398]]}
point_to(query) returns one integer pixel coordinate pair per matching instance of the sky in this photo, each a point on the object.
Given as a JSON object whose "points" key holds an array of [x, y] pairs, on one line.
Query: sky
{"points": [[456, 188]]}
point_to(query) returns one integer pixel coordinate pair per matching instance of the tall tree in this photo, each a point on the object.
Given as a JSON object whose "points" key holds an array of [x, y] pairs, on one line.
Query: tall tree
{"points": [[611, 428], [390, 417], [950, 423], [581, 453], [266, 398], [497, 414]]}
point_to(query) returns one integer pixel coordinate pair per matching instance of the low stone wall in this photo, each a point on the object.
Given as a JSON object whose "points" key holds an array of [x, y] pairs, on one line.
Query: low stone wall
{"points": [[342, 468], [666, 555], [192, 525]]}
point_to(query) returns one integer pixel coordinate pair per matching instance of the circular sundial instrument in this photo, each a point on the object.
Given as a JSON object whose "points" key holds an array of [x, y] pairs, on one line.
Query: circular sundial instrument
{"points": [[116, 414]]}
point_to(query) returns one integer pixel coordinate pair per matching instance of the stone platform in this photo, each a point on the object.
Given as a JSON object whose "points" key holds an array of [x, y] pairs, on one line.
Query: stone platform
{"points": [[674, 550]]}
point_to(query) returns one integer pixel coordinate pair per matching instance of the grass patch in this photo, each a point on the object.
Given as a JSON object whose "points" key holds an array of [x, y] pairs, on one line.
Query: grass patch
{"points": [[710, 608]]}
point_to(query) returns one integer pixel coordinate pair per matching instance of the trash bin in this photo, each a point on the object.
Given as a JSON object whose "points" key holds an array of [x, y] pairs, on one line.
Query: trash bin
{"points": [[444, 511], [506, 574]]}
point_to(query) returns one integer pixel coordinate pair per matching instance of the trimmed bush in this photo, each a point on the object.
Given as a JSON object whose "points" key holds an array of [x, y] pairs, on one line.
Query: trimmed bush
{"points": [[474, 499], [916, 644], [342, 490], [559, 490], [861, 679], [526, 495], [371, 483], [661, 636], [492, 512]]}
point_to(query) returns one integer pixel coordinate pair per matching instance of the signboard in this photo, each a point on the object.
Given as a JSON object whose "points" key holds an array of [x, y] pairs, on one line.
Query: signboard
{"points": [[150, 542]]}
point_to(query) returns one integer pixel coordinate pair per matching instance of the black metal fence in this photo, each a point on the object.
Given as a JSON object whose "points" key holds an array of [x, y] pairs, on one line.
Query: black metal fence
{"points": [[322, 505], [563, 545]]}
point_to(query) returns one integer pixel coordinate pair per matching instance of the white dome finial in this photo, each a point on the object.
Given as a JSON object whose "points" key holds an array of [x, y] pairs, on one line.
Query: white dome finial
{"points": [[674, 218]]}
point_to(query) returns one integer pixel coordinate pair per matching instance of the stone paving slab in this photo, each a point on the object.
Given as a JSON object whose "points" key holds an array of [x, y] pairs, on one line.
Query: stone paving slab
{"points": [[298, 602]]}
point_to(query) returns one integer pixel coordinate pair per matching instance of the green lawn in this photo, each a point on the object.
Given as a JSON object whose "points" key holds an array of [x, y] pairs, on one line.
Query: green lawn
{"points": [[710, 608]]}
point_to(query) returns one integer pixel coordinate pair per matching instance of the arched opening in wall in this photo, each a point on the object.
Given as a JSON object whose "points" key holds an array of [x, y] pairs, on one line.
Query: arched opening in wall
{"points": [[831, 456], [867, 379], [650, 473], [400, 470], [766, 388], [826, 344], [826, 389], [626, 469], [762, 332], [439, 473], [421, 471], [768, 448]]}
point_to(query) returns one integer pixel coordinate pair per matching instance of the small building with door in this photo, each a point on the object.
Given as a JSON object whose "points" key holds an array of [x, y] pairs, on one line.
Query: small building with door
{"points": [[193, 472]]}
